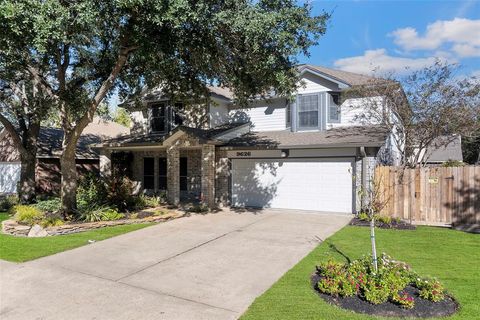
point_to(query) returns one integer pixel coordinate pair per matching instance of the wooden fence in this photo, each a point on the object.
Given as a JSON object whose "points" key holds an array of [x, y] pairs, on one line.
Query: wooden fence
{"points": [[432, 196]]}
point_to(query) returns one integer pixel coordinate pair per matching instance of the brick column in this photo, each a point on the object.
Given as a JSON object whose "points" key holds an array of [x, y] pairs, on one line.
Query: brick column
{"points": [[208, 175], [173, 175]]}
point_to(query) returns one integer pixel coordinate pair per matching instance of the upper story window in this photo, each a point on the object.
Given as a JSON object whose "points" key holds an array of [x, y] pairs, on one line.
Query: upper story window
{"points": [[308, 111], [158, 115], [334, 107], [163, 117]]}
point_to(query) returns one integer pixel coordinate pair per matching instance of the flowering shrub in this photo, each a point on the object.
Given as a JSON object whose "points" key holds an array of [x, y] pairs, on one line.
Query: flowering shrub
{"points": [[387, 284], [404, 300], [430, 289], [375, 290], [337, 282]]}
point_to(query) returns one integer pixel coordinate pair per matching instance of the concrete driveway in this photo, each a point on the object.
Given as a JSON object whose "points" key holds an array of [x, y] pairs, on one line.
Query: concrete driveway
{"points": [[200, 267]]}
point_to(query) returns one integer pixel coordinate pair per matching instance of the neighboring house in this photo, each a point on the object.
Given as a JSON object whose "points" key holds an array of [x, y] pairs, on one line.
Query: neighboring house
{"points": [[443, 149], [48, 155], [309, 154]]}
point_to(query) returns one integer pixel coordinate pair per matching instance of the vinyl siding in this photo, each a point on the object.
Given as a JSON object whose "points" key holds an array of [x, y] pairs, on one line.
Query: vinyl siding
{"points": [[264, 115], [351, 113], [218, 114], [313, 84]]}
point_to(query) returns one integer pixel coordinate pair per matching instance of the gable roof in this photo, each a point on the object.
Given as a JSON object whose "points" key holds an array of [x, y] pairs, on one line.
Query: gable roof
{"points": [[348, 78], [158, 140], [50, 139], [439, 152]]}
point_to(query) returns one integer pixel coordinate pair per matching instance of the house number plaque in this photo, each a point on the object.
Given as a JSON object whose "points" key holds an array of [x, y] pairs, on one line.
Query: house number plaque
{"points": [[244, 154]]}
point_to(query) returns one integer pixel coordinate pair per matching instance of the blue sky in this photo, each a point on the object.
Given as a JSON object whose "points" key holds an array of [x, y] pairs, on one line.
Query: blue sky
{"points": [[391, 35]]}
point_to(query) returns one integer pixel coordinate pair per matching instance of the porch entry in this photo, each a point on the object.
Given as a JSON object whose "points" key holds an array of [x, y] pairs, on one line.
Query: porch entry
{"points": [[188, 181]]}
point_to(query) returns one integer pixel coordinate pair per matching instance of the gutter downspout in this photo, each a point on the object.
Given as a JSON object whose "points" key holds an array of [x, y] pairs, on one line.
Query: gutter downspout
{"points": [[363, 155]]}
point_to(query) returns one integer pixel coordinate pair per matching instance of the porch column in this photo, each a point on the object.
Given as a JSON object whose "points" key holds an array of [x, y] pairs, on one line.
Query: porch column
{"points": [[173, 175], [105, 163], [208, 175]]}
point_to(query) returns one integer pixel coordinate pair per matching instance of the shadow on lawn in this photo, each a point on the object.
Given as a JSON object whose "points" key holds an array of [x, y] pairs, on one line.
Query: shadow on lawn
{"points": [[334, 248]]}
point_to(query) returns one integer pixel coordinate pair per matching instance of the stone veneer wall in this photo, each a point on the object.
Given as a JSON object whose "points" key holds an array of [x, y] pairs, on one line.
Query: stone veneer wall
{"points": [[222, 178], [208, 175], [11, 227]]}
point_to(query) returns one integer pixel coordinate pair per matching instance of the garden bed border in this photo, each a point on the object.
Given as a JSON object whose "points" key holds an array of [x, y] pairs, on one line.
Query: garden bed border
{"points": [[13, 228]]}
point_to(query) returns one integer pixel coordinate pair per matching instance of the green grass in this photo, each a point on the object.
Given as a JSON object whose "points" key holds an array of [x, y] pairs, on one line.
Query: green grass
{"points": [[20, 249], [451, 256]]}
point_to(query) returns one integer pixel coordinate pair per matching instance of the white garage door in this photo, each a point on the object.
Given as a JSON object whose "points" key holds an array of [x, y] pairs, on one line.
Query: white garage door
{"points": [[306, 184], [9, 177]]}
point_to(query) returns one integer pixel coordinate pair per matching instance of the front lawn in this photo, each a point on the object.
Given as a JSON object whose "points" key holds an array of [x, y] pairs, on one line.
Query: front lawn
{"points": [[451, 256], [20, 249]]}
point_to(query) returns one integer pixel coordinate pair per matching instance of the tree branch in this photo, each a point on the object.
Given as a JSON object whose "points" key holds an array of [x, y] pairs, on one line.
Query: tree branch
{"points": [[122, 58], [17, 140]]}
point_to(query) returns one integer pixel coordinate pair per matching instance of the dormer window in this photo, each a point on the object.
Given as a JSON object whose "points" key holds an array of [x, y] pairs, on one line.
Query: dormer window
{"points": [[158, 117], [163, 117]]}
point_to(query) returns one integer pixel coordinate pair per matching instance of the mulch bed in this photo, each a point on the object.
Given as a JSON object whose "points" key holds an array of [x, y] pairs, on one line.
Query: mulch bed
{"points": [[422, 309], [401, 225]]}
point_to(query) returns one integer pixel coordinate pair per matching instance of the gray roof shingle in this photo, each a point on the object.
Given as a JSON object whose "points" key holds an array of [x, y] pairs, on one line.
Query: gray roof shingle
{"points": [[352, 79], [353, 136], [155, 138]]}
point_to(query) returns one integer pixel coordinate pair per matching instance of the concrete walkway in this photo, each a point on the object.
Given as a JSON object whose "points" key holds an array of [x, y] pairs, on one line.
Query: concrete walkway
{"points": [[201, 267]]}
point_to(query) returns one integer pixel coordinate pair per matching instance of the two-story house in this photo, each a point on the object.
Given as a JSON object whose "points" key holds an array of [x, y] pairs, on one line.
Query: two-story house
{"points": [[309, 153]]}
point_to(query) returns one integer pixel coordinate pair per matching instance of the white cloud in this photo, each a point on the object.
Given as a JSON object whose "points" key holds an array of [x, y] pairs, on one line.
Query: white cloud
{"points": [[466, 50], [379, 61], [458, 32]]}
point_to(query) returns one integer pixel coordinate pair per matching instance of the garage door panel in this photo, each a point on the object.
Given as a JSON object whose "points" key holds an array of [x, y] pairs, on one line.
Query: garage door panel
{"points": [[306, 184]]}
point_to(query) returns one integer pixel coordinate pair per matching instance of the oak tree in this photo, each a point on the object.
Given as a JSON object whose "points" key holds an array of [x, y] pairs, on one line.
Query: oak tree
{"points": [[80, 52]]}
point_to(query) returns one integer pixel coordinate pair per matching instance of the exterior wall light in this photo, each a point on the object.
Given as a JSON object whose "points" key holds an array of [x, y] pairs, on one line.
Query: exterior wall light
{"points": [[285, 153]]}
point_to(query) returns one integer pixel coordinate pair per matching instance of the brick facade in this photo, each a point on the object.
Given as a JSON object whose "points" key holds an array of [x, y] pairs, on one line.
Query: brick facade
{"points": [[208, 175], [222, 178]]}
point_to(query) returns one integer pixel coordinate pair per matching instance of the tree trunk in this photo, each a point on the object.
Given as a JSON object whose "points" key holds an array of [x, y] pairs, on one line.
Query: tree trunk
{"points": [[69, 182], [26, 186]]}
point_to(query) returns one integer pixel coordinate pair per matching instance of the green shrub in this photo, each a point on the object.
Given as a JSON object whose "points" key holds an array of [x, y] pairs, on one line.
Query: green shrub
{"points": [[430, 289], [51, 222], [375, 291], [143, 202], [25, 214], [152, 202], [453, 163], [119, 193], [91, 193], [404, 300], [7, 202], [50, 205], [102, 214], [363, 216], [111, 215], [358, 277], [336, 281], [384, 219]]}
